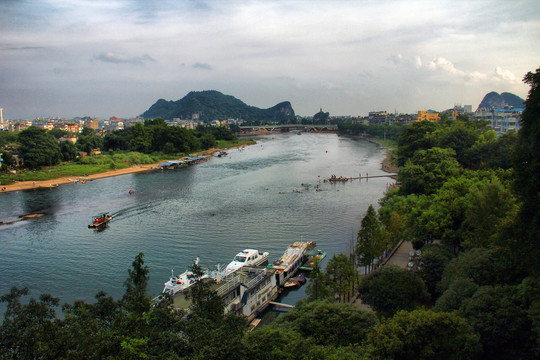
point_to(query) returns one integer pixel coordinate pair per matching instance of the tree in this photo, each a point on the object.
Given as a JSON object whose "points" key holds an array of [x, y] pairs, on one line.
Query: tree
{"points": [[205, 301], [324, 322], [28, 331], [273, 342], [8, 137], [135, 299], [527, 174], [428, 170], [461, 139], [459, 291], [371, 239], [390, 288], [58, 133], [317, 288], [341, 275], [434, 260], [38, 148], [68, 150], [482, 266], [423, 334], [7, 159], [415, 136], [500, 315]]}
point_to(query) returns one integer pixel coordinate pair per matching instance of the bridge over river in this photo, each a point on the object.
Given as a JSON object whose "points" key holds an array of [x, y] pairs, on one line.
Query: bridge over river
{"points": [[290, 127]]}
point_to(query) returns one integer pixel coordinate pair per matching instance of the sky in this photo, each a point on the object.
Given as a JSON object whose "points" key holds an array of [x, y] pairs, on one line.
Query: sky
{"points": [[106, 58]]}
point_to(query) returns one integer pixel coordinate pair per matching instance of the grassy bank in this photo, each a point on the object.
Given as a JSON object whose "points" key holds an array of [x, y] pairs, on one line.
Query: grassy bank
{"points": [[389, 162], [95, 164]]}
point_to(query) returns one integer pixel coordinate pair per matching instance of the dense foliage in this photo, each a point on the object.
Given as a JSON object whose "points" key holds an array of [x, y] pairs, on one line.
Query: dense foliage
{"points": [[38, 148], [156, 136], [391, 132]]}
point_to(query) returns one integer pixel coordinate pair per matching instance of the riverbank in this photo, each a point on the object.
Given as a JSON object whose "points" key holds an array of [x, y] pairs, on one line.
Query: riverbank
{"points": [[29, 185]]}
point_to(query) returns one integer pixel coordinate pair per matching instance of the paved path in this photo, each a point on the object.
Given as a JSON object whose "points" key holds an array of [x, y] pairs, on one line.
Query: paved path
{"points": [[401, 255]]}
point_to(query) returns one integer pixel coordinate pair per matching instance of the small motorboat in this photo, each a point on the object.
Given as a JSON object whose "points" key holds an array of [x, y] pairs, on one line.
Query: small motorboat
{"points": [[298, 280], [100, 220]]}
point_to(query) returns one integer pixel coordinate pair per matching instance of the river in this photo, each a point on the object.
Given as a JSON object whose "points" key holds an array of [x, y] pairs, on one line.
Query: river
{"points": [[251, 198]]}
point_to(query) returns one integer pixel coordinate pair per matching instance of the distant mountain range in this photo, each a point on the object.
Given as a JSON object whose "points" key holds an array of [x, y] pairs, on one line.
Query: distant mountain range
{"points": [[496, 100], [213, 105]]}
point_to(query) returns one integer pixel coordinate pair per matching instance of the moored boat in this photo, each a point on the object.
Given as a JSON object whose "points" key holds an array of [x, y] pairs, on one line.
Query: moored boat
{"points": [[298, 280], [292, 259], [249, 289], [247, 257], [179, 283]]}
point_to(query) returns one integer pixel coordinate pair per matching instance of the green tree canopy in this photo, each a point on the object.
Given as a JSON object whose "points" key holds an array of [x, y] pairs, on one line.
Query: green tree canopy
{"points": [[325, 322], [371, 240], [38, 148], [527, 174], [390, 288], [423, 334], [428, 170], [340, 274], [500, 314], [415, 136]]}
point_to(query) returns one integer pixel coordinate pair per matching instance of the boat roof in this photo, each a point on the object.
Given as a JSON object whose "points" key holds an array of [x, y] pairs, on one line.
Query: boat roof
{"points": [[292, 254], [248, 276], [248, 252]]}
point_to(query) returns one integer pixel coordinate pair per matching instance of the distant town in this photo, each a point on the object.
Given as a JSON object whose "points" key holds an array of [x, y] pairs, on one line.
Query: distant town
{"points": [[501, 120]]}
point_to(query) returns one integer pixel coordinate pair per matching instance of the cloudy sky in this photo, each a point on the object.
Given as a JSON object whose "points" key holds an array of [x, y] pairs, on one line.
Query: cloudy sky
{"points": [[117, 57]]}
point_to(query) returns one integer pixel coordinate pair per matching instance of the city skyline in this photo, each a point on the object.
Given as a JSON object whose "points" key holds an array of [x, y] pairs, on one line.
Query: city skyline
{"points": [[70, 58]]}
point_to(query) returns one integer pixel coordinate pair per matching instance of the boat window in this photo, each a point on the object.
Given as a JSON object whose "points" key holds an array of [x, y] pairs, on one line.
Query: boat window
{"points": [[240, 259]]}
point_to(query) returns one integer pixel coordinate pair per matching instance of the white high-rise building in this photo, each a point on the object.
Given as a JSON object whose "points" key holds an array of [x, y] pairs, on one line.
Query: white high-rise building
{"points": [[2, 118]]}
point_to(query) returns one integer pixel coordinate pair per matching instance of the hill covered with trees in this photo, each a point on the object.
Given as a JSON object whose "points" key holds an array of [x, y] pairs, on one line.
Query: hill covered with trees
{"points": [[213, 105], [496, 100]]}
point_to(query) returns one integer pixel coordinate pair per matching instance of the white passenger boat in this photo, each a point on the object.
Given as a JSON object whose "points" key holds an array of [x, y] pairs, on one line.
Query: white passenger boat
{"points": [[294, 257], [248, 257], [249, 289], [178, 283]]}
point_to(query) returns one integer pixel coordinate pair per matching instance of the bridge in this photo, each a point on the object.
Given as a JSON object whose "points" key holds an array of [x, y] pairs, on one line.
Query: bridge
{"points": [[290, 127]]}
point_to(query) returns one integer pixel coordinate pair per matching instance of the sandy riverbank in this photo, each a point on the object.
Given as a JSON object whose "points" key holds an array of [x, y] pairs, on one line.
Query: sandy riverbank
{"points": [[28, 185]]}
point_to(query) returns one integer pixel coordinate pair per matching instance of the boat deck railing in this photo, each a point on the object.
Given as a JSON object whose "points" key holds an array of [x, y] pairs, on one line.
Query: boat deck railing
{"points": [[229, 285]]}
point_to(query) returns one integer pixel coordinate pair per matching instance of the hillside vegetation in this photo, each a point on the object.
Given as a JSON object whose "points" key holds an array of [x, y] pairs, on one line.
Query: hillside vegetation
{"points": [[212, 105]]}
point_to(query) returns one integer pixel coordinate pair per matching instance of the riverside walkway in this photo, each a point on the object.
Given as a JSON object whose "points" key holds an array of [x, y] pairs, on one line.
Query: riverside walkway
{"points": [[400, 255]]}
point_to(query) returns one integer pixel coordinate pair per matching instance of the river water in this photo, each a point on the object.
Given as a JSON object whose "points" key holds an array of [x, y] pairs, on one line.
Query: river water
{"points": [[251, 198]]}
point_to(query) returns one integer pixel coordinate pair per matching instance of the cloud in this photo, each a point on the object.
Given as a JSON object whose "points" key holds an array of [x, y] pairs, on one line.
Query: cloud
{"points": [[505, 75], [122, 59], [203, 66], [399, 59], [23, 48], [446, 66], [439, 65]]}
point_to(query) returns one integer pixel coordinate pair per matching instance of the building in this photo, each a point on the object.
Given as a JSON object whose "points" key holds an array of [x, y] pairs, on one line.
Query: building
{"points": [[2, 125], [402, 119], [377, 117], [427, 115], [501, 120]]}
